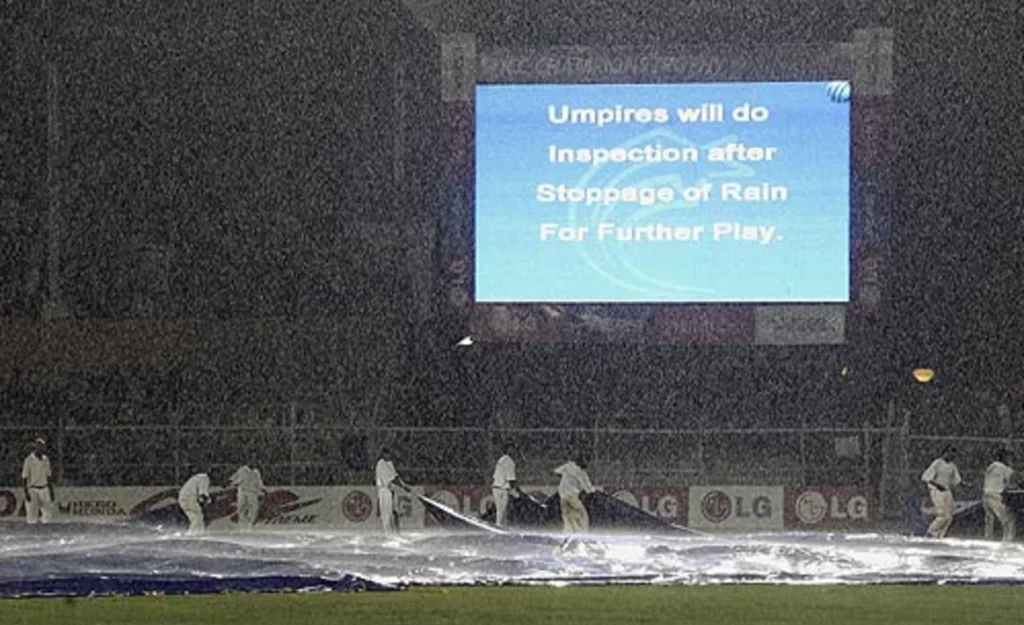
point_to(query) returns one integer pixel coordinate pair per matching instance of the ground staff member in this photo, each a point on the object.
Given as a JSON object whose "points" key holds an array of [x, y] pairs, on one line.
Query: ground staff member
{"points": [[35, 479], [575, 481], [192, 497], [503, 485], [387, 478], [997, 478], [941, 477], [250, 489]]}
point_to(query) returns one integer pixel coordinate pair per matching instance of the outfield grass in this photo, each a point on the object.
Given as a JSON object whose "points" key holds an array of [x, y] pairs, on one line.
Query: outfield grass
{"points": [[615, 605]]}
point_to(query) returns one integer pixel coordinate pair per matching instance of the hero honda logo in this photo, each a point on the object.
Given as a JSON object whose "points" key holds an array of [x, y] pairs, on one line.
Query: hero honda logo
{"points": [[8, 503], [357, 506]]}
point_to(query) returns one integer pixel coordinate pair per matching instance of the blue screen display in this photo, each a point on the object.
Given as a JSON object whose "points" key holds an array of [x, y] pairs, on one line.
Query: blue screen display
{"points": [[716, 192]]}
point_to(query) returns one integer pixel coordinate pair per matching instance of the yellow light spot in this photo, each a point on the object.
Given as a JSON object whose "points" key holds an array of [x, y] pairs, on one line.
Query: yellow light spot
{"points": [[924, 375]]}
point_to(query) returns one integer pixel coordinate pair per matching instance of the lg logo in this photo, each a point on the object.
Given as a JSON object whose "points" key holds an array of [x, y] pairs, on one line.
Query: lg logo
{"points": [[717, 506], [665, 506], [813, 508], [760, 507]]}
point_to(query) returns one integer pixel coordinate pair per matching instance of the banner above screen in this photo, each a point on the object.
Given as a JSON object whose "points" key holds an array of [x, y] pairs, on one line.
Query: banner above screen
{"points": [[694, 63], [663, 193]]}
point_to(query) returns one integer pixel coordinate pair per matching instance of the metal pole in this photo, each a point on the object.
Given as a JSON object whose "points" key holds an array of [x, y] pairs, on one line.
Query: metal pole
{"points": [[866, 477], [701, 452], [883, 482], [61, 424], [54, 305], [803, 448], [176, 441], [905, 448], [398, 119], [291, 442]]}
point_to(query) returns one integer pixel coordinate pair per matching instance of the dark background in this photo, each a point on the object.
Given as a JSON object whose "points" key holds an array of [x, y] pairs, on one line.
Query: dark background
{"points": [[232, 225]]}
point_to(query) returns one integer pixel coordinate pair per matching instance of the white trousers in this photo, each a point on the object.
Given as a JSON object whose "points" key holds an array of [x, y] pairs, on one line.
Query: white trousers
{"points": [[247, 504], [194, 512], [38, 507], [500, 505], [386, 507], [575, 518], [942, 500], [995, 510]]}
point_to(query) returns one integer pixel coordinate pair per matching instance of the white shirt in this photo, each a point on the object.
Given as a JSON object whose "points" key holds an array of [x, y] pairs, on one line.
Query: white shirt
{"points": [[997, 476], [574, 480], [196, 486], [504, 472], [248, 480], [36, 470], [385, 473], [942, 473]]}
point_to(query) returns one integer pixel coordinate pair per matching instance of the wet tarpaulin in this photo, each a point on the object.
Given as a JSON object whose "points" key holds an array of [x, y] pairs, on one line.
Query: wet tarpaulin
{"points": [[448, 518], [82, 559]]}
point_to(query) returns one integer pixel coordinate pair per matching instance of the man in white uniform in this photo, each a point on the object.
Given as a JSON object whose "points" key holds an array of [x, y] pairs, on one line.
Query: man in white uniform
{"points": [[997, 478], [250, 490], [387, 478], [35, 480], [503, 485], [192, 497], [941, 477], [574, 481]]}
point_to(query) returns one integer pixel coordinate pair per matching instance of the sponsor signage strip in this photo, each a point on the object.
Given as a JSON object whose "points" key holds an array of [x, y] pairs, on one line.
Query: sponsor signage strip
{"points": [[343, 507], [707, 508]]}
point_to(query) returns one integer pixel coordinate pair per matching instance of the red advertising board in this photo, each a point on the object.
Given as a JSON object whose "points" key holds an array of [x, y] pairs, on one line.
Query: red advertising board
{"points": [[827, 508]]}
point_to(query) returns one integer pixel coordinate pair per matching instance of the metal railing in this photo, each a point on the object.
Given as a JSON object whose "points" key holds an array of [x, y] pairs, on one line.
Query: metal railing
{"points": [[299, 443]]}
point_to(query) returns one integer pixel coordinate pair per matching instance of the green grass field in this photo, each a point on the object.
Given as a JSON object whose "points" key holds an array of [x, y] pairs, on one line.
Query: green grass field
{"points": [[616, 605]]}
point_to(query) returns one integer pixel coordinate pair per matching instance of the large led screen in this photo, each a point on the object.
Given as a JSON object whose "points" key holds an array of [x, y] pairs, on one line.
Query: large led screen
{"points": [[672, 193]]}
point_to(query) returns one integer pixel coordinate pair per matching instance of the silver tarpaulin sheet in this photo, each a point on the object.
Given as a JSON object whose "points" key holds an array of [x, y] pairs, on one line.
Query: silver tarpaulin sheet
{"points": [[444, 557]]}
